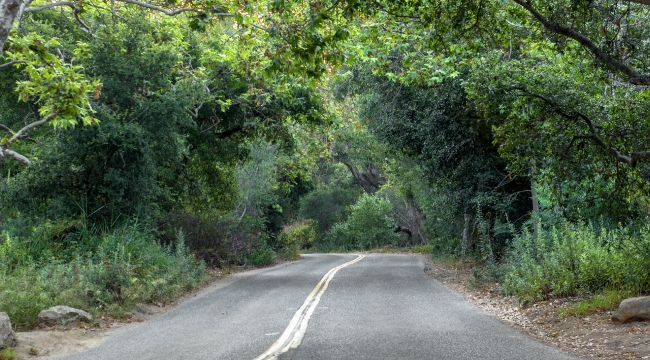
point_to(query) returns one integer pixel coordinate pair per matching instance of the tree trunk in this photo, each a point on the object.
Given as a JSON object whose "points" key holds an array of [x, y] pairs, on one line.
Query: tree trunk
{"points": [[533, 197], [465, 244], [415, 217], [10, 11], [370, 180]]}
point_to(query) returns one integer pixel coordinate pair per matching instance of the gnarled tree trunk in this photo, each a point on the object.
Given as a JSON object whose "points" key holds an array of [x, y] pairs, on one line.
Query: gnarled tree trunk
{"points": [[370, 180]]}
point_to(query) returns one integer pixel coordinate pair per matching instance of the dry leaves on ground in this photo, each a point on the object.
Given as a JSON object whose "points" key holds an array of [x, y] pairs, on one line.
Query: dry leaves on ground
{"points": [[593, 336]]}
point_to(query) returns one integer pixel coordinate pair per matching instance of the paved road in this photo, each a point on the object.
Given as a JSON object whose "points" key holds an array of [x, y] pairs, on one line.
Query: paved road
{"points": [[342, 306]]}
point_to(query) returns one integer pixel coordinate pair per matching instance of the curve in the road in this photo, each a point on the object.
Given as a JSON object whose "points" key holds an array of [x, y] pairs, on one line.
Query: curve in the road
{"points": [[293, 334]]}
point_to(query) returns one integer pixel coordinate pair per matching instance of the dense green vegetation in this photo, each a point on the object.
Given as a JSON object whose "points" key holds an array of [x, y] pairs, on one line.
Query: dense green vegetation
{"points": [[143, 142]]}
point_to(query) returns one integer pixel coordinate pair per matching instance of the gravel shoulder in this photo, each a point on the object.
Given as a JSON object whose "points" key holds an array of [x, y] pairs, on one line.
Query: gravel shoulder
{"points": [[593, 336]]}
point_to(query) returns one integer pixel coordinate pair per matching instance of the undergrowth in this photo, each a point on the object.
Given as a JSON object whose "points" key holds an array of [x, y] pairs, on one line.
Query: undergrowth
{"points": [[605, 301], [578, 259], [100, 271]]}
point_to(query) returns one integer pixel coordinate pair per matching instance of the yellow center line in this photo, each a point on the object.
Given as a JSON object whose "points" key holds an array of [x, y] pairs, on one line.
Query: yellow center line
{"points": [[293, 334]]}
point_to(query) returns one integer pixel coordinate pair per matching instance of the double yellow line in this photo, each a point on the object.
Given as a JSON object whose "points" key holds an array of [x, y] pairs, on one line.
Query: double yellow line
{"points": [[293, 334]]}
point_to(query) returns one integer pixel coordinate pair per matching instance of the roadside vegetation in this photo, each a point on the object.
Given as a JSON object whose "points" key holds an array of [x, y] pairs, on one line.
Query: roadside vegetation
{"points": [[140, 146]]}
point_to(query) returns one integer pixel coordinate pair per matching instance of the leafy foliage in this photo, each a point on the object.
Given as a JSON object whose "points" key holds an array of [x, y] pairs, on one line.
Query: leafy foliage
{"points": [[577, 259], [369, 226], [127, 266], [295, 237]]}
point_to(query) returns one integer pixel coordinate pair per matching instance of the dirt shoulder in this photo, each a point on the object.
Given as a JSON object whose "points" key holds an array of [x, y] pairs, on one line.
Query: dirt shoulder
{"points": [[593, 336], [45, 343]]}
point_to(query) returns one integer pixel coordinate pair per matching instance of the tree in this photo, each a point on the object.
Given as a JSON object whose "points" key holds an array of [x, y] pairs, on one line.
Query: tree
{"points": [[176, 116], [448, 139]]}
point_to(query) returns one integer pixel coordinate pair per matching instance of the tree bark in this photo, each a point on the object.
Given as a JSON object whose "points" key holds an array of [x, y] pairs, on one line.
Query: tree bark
{"points": [[465, 244], [533, 192], [415, 217], [634, 77], [370, 180], [10, 11]]}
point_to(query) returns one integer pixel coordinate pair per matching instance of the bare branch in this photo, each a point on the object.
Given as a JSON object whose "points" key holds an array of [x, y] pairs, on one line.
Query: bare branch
{"points": [[22, 133], [12, 63], [12, 154], [158, 8], [633, 76], [5, 128], [82, 24], [51, 5]]}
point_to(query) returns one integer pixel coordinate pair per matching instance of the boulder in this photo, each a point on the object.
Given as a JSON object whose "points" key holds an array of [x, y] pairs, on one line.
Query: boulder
{"points": [[7, 336], [62, 316], [632, 309]]}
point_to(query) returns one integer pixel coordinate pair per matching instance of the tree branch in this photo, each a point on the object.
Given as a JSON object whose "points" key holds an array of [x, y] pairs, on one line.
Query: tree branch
{"points": [[158, 8], [633, 76], [12, 63], [22, 133], [12, 154], [51, 5], [644, 2], [5, 128], [631, 160]]}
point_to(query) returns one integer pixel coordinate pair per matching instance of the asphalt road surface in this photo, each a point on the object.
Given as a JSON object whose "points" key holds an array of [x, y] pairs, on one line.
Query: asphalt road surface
{"points": [[334, 306]]}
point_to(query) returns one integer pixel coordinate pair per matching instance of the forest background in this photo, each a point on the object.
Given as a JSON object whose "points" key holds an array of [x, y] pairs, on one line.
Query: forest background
{"points": [[141, 142]]}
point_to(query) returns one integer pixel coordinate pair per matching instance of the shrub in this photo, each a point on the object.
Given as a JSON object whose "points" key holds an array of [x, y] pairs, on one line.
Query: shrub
{"points": [[262, 255], [327, 207], [369, 225], [295, 237], [129, 266], [575, 259], [220, 241]]}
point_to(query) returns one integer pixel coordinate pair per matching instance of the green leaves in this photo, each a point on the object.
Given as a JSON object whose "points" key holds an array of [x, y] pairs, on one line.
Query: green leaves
{"points": [[58, 87]]}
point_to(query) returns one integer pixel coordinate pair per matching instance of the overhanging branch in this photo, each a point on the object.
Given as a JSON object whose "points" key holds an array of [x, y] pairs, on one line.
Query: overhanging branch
{"points": [[12, 63], [633, 76], [22, 133], [593, 135], [12, 154]]}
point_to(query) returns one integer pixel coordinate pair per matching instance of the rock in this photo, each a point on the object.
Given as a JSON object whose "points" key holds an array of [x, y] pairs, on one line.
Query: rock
{"points": [[7, 336], [62, 316], [632, 309]]}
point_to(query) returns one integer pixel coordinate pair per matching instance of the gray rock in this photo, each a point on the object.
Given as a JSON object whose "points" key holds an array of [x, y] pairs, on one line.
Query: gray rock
{"points": [[7, 336], [632, 309], [62, 316]]}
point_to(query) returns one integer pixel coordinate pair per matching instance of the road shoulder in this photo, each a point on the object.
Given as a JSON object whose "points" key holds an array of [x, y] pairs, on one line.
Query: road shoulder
{"points": [[593, 336], [55, 342]]}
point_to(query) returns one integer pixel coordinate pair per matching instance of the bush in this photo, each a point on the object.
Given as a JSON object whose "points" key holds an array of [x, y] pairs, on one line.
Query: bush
{"points": [[220, 241], [576, 259], [262, 255], [128, 267], [369, 225], [327, 207], [295, 237]]}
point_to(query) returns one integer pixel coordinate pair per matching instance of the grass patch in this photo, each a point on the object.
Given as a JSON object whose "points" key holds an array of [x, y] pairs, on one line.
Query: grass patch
{"points": [[8, 354], [605, 301], [126, 266]]}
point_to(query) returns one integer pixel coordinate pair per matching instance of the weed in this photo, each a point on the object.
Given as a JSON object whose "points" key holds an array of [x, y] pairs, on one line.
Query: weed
{"points": [[8, 354], [577, 259], [128, 266], [605, 301]]}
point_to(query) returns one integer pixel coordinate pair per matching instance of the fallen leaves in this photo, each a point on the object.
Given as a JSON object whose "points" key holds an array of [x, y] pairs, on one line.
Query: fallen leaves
{"points": [[594, 335]]}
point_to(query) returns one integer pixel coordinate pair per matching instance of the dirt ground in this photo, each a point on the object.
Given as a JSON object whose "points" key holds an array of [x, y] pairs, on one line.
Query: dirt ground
{"points": [[594, 336]]}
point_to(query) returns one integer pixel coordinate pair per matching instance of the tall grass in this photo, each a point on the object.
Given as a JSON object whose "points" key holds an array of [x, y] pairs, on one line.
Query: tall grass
{"points": [[99, 271], [577, 259]]}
